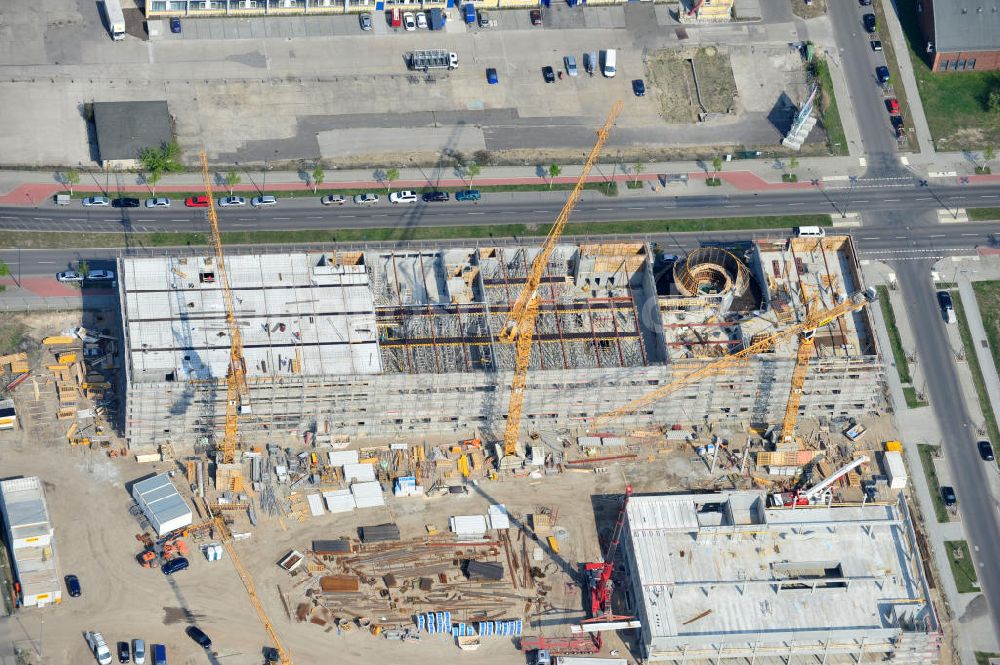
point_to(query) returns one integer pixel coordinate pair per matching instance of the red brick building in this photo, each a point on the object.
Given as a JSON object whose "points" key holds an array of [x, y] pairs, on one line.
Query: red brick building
{"points": [[961, 35]]}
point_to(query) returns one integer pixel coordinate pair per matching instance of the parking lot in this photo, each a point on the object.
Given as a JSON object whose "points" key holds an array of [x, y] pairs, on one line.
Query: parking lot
{"points": [[289, 88]]}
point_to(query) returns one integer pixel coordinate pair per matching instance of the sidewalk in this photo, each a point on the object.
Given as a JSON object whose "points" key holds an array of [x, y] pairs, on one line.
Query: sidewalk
{"points": [[917, 116], [980, 342]]}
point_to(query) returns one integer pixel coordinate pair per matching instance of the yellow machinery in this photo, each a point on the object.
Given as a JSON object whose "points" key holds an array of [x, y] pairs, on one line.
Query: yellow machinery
{"points": [[813, 322], [236, 380], [520, 326]]}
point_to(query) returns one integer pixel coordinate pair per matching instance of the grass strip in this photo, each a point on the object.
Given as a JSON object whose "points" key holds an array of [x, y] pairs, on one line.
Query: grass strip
{"points": [[983, 214], [42, 240], [962, 567], [894, 339], [927, 454], [983, 657], [895, 76], [977, 372], [835, 137], [912, 401]]}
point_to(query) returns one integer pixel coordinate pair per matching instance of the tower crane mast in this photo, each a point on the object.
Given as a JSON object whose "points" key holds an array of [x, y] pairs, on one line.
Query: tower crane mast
{"points": [[520, 326]]}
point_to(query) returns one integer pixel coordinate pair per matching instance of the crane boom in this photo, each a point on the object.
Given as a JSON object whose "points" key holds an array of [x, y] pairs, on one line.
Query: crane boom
{"points": [[520, 326], [813, 322], [236, 379]]}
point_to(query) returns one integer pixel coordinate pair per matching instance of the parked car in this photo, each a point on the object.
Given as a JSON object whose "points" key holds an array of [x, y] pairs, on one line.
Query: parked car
{"points": [[639, 88], [404, 196], [96, 202], [97, 646], [124, 655], [491, 76], [230, 201], [199, 636], [139, 652], [876, 45], [469, 13], [175, 565], [882, 74], [100, 276], [395, 17], [865, 3], [570, 63], [947, 308], [548, 74], [159, 654], [948, 495], [986, 451], [366, 21], [72, 585], [333, 200], [69, 276], [484, 19], [366, 199], [175, 25], [892, 105], [263, 201], [125, 203], [196, 202], [468, 195], [897, 122], [422, 20], [429, 197], [870, 22], [409, 23], [158, 203], [536, 16]]}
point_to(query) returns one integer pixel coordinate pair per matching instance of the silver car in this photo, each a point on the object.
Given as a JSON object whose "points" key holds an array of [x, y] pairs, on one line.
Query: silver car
{"points": [[265, 200], [366, 199], [96, 201], [333, 200], [158, 203], [69, 276], [229, 201]]}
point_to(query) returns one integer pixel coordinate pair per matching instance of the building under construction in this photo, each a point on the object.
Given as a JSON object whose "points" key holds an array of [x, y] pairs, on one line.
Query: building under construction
{"points": [[722, 577], [395, 343]]}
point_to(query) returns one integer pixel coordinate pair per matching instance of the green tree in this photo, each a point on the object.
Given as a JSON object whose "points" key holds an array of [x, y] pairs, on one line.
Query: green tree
{"points": [[152, 178], [994, 101], [793, 163], [318, 176], [717, 164], [83, 267], [637, 169], [472, 170], [989, 154], [554, 172], [391, 174], [165, 159], [71, 177], [4, 269], [233, 178]]}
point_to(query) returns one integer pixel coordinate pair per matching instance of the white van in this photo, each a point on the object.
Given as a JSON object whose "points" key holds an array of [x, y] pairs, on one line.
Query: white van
{"points": [[810, 232], [610, 63], [63, 199]]}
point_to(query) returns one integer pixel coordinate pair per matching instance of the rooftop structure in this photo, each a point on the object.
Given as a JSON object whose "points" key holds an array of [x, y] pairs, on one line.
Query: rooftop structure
{"points": [[124, 129], [961, 36], [161, 504], [30, 537], [384, 343], [721, 576]]}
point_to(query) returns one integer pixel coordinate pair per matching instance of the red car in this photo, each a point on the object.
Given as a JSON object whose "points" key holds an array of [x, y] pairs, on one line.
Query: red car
{"points": [[196, 202], [536, 16], [892, 105]]}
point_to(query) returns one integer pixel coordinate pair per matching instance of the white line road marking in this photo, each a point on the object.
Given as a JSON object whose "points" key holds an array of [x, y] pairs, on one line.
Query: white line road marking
{"points": [[539, 211], [926, 198], [599, 209], [178, 220], [46, 262], [873, 238], [42, 219], [900, 237], [970, 234], [939, 235], [317, 217], [475, 213], [733, 206], [639, 208], [862, 201], [989, 196], [145, 220], [281, 219], [348, 216], [891, 201], [796, 204], [957, 197]]}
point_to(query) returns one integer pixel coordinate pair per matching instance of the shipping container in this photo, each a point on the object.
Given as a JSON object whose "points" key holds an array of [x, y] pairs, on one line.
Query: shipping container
{"points": [[895, 469]]}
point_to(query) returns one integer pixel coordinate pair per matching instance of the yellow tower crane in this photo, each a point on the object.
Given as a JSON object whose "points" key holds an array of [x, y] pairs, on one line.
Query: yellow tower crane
{"points": [[520, 326], [236, 378], [806, 329]]}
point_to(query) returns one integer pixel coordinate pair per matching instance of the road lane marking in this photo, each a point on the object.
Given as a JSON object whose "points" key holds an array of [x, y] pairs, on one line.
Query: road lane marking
{"points": [[890, 201], [938, 235], [539, 211], [475, 213], [989, 196], [796, 204], [926, 198], [281, 219], [862, 201], [639, 208], [873, 238], [317, 217], [970, 234], [599, 209]]}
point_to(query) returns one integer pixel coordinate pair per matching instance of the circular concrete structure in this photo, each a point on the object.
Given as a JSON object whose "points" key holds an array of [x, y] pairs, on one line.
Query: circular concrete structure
{"points": [[711, 270]]}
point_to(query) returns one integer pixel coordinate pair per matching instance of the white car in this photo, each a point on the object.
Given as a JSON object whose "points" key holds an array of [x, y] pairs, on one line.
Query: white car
{"points": [[229, 201], [100, 275], [158, 203], [409, 23], [100, 650], [422, 20], [366, 199], [405, 196], [261, 201], [96, 201], [69, 276], [139, 652], [333, 200]]}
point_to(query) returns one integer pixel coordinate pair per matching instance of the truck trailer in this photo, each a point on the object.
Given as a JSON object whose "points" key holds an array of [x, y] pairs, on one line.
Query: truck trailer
{"points": [[432, 59], [116, 19]]}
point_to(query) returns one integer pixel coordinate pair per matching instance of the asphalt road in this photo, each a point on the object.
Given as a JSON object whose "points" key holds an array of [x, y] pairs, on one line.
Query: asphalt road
{"points": [[978, 508], [897, 196]]}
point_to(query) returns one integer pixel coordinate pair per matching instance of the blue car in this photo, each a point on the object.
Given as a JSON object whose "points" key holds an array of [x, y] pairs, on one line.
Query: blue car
{"points": [[639, 88], [470, 13], [491, 76], [175, 25], [468, 195], [882, 74]]}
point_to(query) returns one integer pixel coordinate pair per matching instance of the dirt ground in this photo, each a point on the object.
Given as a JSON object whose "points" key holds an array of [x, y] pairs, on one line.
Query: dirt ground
{"points": [[671, 71], [811, 10]]}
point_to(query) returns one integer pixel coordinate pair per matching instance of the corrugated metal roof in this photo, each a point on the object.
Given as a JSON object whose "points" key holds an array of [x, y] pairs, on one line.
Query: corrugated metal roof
{"points": [[315, 504], [159, 499], [966, 25], [481, 570], [468, 525], [342, 457], [339, 501], [24, 505], [329, 547], [367, 495], [361, 472], [379, 533]]}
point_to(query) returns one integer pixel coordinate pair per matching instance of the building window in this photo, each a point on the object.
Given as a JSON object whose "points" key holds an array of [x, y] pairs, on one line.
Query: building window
{"points": [[971, 65], [954, 65], [944, 65], [961, 65]]}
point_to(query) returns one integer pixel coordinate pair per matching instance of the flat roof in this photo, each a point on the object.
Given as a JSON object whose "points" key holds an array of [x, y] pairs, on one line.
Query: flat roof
{"points": [[966, 25], [24, 505], [159, 496], [297, 315], [723, 567], [125, 128]]}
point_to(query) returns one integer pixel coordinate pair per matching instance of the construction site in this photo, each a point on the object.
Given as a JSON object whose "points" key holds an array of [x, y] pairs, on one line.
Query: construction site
{"points": [[402, 452]]}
